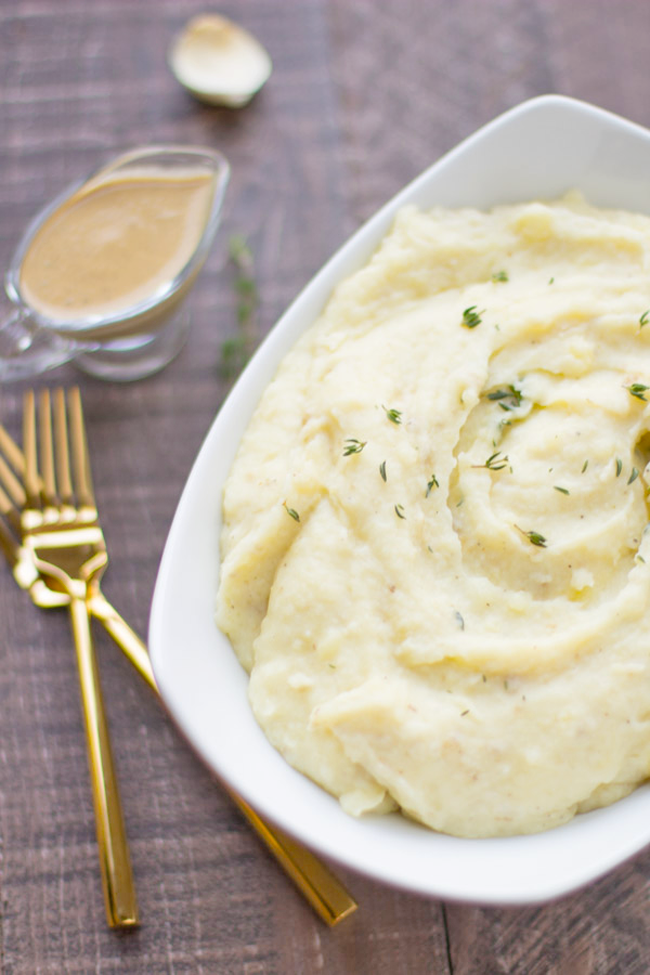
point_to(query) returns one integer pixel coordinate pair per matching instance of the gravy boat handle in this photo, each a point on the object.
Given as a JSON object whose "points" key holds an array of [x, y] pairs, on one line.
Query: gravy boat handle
{"points": [[27, 349]]}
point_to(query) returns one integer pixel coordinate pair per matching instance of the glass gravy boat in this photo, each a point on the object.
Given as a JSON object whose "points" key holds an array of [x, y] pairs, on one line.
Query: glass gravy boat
{"points": [[115, 337]]}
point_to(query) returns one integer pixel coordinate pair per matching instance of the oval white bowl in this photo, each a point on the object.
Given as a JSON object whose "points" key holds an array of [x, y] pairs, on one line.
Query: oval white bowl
{"points": [[539, 149]]}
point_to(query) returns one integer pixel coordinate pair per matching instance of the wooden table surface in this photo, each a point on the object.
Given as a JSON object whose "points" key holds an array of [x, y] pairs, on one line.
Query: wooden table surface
{"points": [[363, 97]]}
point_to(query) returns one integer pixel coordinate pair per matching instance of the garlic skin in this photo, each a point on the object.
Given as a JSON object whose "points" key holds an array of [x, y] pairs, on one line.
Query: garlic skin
{"points": [[218, 61]]}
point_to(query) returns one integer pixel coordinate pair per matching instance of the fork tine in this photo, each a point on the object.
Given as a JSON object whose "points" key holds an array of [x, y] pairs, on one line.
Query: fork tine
{"points": [[8, 542], [12, 451], [32, 482], [62, 449], [9, 511], [80, 454], [47, 449], [11, 484]]}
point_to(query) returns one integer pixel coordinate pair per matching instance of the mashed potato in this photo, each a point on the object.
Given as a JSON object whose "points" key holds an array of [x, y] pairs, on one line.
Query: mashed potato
{"points": [[436, 564]]}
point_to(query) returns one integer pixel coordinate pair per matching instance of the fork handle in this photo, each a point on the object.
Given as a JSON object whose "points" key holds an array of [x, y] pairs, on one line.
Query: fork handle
{"points": [[117, 878], [319, 886], [125, 637]]}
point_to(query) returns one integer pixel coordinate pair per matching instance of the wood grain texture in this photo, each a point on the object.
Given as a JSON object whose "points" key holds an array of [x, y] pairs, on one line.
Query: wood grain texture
{"points": [[364, 95]]}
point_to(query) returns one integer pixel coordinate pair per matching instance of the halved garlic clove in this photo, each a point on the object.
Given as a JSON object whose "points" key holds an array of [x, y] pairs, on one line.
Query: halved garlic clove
{"points": [[218, 61]]}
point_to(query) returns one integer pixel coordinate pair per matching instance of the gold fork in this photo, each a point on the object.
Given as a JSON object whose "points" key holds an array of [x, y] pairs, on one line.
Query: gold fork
{"points": [[46, 593], [61, 533], [317, 883]]}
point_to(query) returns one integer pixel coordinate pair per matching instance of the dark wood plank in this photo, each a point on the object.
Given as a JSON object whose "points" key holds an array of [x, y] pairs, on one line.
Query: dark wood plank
{"points": [[600, 929]]}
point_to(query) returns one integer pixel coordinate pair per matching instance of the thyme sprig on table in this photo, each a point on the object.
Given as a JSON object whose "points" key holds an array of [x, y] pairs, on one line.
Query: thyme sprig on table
{"points": [[237, 349]]}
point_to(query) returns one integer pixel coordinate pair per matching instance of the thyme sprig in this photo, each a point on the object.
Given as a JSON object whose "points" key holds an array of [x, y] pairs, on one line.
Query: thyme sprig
{"points": [[353, 446], [508, 399], [237, 349], [638, 390], [533, 537], [471, 317], [500, 276], [495, 462], [395, 416], [291, 511], [645, 318], [433, 482]]}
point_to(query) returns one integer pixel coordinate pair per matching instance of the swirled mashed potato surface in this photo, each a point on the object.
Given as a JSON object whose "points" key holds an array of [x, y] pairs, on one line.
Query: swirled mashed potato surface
{"points": [[436, 564]]}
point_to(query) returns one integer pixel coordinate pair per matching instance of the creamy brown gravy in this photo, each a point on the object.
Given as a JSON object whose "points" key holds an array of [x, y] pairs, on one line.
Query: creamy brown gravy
{"points": [[117, 241]]}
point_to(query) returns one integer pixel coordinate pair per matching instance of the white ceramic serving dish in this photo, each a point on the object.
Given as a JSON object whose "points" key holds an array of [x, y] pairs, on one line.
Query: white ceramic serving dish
{"points": [[539, 149]]}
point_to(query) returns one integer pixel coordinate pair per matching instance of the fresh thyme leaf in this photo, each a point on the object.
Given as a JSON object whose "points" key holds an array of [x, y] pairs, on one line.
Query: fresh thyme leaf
{"points": [[638, 390], [584, 467], [536, 539], [500, 276], [645, 318], [395, 416], [382, 470], [619, 466], [562, 490], [471, 317], [433, 482], [633, 476], [353, 446], [399, 511], [551, 280], [291, 511], [508, 399], [495, 462], [533, 537]]}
